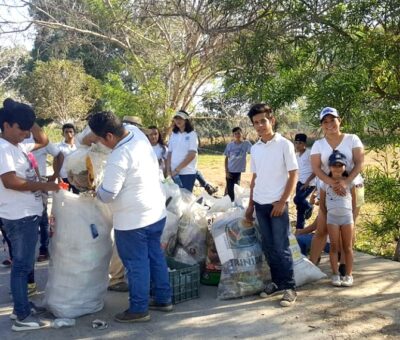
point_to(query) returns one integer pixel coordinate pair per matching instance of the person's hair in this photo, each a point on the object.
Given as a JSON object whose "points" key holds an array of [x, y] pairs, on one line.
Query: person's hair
{"points": [[237, 128], [344, 174], [104, 122], [160, 138], [259, 108], [68, 126], [188, 125], [15, 112]]}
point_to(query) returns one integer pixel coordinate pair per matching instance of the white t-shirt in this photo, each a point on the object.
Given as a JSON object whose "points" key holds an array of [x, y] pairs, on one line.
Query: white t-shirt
{"points": [[271, 162], [132, 173], [305, 169], [335, 204], [179, 146], [15, 204], [66, 149], [346, 147]]}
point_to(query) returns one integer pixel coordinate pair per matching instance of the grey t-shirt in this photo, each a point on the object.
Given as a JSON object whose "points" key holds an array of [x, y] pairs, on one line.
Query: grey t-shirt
{"points": [[236, 153], [335, 204]]}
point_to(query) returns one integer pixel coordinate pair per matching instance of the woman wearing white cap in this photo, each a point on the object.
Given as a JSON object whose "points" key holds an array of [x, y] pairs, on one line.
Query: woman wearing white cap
{"points": [[349, 145], [182, 151]]}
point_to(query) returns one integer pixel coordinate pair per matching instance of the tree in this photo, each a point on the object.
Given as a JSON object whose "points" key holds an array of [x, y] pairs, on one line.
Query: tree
{"points": [[60, 90]]}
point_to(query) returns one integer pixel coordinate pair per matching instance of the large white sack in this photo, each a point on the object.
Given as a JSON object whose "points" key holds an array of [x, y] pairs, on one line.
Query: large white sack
{"points": [[78, 269]]}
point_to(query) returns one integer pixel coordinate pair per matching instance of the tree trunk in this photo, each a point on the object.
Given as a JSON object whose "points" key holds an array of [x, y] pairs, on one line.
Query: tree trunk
{"points": [[396, 256]]}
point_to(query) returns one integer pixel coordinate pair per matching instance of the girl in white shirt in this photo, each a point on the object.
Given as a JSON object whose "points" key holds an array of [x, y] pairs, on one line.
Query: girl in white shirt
{"points": [[159, 147]]}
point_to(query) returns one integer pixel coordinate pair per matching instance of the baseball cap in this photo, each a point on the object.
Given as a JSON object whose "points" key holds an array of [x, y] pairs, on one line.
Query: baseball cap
{"points": [[135, 120], [300, 137], [328, 111], [182, 114], [337, 157]]}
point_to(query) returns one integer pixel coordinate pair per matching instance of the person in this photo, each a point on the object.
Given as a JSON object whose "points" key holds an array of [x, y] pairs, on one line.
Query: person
{"points": [[159, 147], [338, 210], [235, 160], [132, 187], [305, 185], [209, 188], [21, 203], [351, 146], [182, 152], [274, 166], [66, 147], [304, 238]]}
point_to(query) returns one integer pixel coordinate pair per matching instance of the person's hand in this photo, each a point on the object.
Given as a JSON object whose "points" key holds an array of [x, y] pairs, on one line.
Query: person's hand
{"points": [[51, 186], [52, 178], [174, 173], [298, 232], [305, 185], [339, 187], [248, 216], [278, 208]]}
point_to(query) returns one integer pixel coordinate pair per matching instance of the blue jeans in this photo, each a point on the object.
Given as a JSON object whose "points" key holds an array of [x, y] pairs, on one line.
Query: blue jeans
{"points": [[275, 244], [44, 233], [304, 242], [302, 204], [140, 252], [185, 181], [23, 235]]}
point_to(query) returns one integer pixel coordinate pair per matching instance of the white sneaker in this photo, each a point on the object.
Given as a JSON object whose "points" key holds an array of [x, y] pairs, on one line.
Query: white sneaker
{"points": [[347, 281], [336, 280]]}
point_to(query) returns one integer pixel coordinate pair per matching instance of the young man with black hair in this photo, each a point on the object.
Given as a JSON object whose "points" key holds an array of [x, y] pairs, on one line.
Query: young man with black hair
{"points": [[132, 187], [274, 167]]}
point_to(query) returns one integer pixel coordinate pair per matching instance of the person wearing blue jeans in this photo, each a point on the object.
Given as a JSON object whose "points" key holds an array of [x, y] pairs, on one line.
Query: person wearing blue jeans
{"points": [[132, 187], [305, 185], [182, 151], [21, 202], [274, 167]]}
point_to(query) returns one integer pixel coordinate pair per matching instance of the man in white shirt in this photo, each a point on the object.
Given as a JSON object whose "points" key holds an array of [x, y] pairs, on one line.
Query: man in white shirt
{"points": [[274, 167], [305, 185], [131, 185]]}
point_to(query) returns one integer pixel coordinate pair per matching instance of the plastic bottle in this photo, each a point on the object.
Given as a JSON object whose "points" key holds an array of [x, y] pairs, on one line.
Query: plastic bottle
{"points": [[62, 322]]}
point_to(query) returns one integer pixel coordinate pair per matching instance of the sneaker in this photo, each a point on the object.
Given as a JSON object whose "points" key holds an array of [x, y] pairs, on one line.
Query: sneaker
{"points": [[29, 323], [289, 298], [163, 307], [32, 289], [43, 257], [308, 213], [6, 264], [127, 316], [335, 279], [342, 269], [347, 281], [121, 287], [269, 290], [210, 189], [35, 310]]}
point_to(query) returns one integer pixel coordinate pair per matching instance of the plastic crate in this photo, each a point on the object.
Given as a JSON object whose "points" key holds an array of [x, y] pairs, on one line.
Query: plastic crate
{"points": [[184, 280]]}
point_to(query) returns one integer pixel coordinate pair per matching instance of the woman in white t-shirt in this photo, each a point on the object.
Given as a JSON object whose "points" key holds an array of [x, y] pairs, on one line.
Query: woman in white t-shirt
{"points": [[349, 145], [21, 203], [159, 148], [182, 152]]}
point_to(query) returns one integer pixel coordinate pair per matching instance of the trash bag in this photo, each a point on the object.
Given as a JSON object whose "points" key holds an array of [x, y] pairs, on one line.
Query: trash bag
{"points": [[179, 200], [244, 269], [80, 250], [242, 196], [216, 204], [169, 235]]}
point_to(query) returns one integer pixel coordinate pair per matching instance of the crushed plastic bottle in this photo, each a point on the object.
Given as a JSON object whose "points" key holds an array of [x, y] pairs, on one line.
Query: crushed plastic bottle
{"points": [[62, 322]]}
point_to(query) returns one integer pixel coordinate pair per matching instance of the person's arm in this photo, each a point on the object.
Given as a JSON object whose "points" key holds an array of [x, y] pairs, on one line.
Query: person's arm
{"points": [[306, 184], [114, 178], [39, 137], [227, 174], [250, 209], [279, 207], [309, 229], [322, 201], [57, 165], [168, 164], [12, 181], [354, 201], [191, 155]]}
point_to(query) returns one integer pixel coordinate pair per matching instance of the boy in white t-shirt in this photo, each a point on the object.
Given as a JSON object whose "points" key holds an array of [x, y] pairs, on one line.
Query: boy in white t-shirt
{"points": [[305, 185], [274, 167]]}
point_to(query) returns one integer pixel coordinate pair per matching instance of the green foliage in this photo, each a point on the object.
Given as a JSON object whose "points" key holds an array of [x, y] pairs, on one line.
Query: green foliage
{"points": [[60, 90]]}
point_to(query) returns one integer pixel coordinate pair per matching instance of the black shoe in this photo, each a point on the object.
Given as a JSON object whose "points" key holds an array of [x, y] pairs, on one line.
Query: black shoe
{"points": [[342, 269], [127, 316], [210, 189], [269, 290], [121, 287], [163, 307], [308, 213]]}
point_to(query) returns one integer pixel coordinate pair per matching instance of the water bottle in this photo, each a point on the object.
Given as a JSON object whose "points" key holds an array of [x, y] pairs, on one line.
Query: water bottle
{"points": [[62, 322]]}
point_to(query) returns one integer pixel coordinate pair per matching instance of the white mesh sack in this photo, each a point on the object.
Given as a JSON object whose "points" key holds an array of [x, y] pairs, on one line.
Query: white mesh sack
{"points": [[80, 251]]}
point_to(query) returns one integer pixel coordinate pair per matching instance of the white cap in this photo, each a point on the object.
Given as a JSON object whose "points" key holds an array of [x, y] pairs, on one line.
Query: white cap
{"points": [[328, 111], [181, 114]]}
